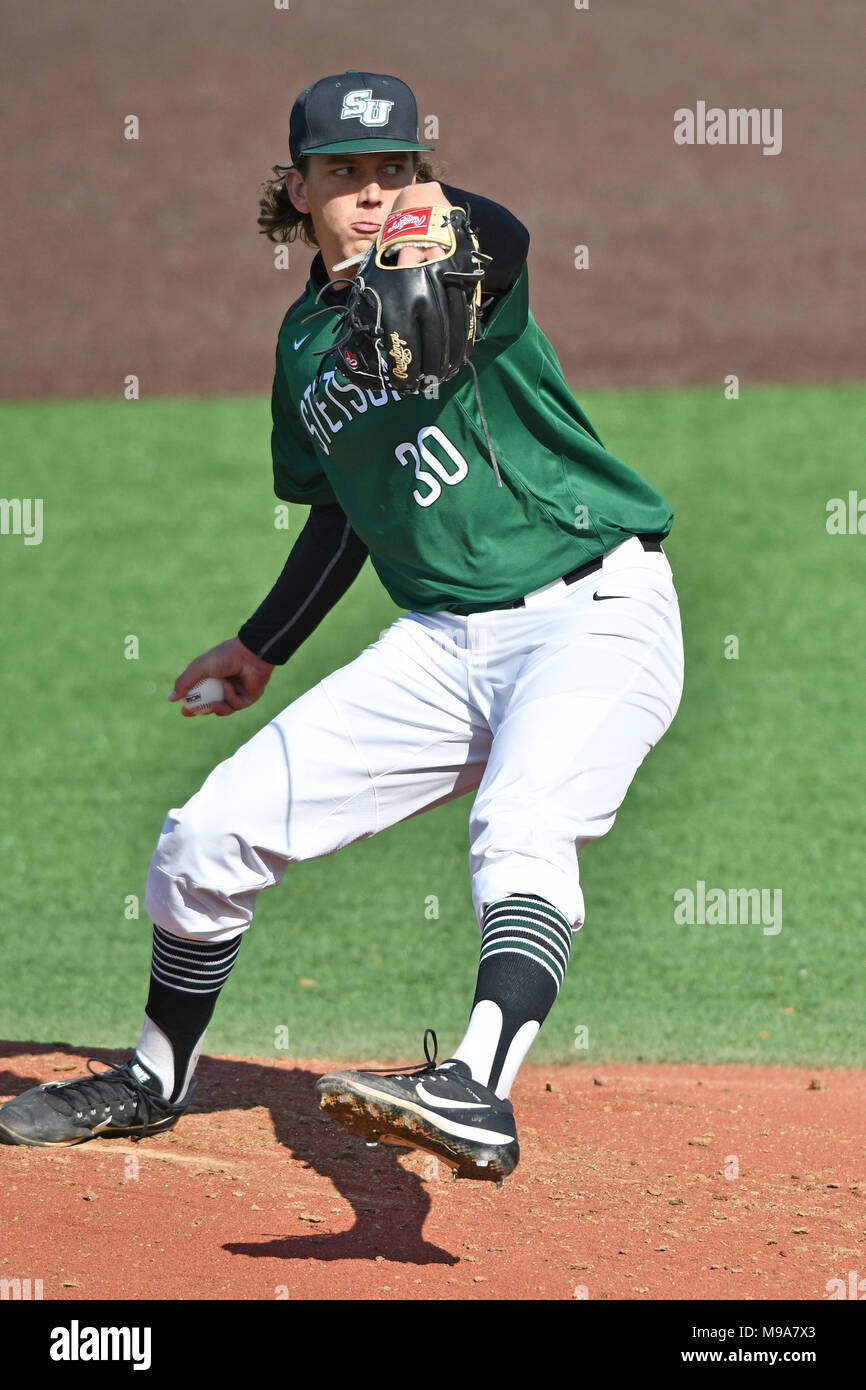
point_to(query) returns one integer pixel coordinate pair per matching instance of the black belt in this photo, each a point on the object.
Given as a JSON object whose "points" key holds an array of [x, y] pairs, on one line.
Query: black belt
{"points": [[648, 543]]}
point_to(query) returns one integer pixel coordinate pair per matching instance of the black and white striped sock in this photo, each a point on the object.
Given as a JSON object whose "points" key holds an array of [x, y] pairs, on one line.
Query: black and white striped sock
{"points": [[525, 946], [186, 977]]}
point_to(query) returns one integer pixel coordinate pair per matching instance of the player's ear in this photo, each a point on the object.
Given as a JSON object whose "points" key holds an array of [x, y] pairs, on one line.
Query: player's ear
{"points": [[297, 189]]}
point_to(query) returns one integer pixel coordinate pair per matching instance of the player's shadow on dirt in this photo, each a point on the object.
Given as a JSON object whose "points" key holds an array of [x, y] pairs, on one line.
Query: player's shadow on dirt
{"points": [[390, 1204]]}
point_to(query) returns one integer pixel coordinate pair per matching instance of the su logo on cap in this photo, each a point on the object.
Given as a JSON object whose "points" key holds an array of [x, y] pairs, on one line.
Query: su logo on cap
{"points": [[366, 108]]}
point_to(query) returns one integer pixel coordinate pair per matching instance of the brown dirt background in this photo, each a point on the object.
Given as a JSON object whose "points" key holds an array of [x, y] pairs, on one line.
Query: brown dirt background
{"points": [[624, 1191], [145, 256]]}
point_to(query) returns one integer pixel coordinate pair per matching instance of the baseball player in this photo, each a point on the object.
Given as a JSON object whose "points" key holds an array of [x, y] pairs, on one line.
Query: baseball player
{"points": [[538, 660]]}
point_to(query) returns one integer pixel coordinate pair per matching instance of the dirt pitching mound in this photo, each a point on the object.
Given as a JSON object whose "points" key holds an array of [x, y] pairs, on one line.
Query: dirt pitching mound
{"points": [[636, 1182]]}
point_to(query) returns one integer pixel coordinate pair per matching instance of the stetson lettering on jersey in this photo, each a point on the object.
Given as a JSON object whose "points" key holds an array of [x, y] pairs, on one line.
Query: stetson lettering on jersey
{"points": [[314, 409]]}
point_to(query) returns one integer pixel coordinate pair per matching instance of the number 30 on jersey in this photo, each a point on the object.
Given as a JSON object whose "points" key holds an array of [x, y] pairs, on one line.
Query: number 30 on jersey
{"points": [[435, 470]]}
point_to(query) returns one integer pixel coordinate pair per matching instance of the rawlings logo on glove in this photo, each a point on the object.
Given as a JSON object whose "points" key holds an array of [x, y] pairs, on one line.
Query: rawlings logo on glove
{"points": [[396, 222], [401, 355]]}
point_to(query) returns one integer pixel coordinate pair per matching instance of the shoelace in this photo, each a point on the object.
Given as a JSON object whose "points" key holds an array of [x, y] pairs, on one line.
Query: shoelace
{"points": [[79, 1096], [413, 1069], [471, 365], [349, 320]]}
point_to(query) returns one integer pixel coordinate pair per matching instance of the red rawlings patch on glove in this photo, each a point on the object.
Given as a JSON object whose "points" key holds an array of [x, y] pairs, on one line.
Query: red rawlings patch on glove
{"points": [[415, 220]]}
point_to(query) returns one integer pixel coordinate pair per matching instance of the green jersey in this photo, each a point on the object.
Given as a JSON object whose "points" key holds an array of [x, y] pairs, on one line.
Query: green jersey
{"points": [[414, 476]]}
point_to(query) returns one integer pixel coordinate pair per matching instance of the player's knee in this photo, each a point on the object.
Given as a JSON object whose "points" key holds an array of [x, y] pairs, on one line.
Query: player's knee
{"points": [[199, 846]]}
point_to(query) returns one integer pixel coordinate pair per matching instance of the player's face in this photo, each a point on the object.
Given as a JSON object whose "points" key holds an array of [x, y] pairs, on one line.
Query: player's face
{"points": [[349, 197]]}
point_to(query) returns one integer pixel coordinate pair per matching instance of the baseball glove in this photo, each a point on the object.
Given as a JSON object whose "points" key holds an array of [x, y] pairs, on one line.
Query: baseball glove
{"points": [[411, 327]]}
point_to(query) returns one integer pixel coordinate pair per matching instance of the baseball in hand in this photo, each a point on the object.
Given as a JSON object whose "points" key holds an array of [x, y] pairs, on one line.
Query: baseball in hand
{"points": [[202, 695]]}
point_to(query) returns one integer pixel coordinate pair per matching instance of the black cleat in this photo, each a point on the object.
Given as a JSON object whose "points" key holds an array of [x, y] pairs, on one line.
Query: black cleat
{"points": [[125, 1100], [437, 1108]]}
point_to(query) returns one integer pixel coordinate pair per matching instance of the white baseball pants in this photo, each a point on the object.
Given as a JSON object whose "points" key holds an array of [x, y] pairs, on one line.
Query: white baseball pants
{"points": [[545, 711]]}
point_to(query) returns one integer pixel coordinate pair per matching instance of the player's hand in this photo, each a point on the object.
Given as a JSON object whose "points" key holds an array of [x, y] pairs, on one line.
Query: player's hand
{"points": [[244, 676], [418, 255]]}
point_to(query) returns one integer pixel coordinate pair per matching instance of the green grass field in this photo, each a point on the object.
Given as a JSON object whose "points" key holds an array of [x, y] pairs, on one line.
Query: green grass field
{"points": [[159, 524]]}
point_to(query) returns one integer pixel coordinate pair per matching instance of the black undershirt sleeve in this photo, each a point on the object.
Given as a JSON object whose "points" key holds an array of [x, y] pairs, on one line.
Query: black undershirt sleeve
{"points": [[324, 561], [500, 235]]}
